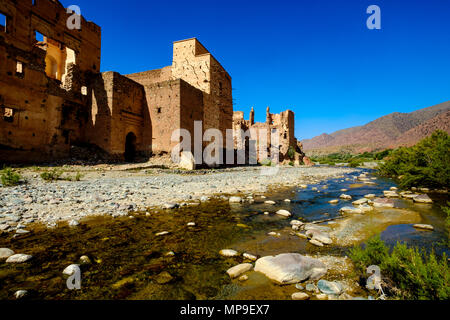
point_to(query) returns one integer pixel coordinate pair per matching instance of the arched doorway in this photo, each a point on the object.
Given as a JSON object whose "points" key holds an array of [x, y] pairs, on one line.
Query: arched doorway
{"points": [[130, 147]]}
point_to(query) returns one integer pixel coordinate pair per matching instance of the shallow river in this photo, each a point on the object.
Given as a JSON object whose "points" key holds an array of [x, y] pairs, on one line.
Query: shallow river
{"points": [[129, 261]]}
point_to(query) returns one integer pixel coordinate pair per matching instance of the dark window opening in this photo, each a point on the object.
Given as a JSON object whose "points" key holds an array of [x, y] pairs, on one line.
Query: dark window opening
{"points": [[8, 115], [130, 147], [158, 110], [3, 21], [220, 87]]}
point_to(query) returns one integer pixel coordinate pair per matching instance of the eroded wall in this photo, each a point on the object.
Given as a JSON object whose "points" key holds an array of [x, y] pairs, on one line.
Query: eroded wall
{"points": [[47, 113]]}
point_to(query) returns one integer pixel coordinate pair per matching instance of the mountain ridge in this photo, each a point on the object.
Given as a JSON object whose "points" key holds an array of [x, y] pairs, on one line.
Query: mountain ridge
{"points": [[389, 131]]}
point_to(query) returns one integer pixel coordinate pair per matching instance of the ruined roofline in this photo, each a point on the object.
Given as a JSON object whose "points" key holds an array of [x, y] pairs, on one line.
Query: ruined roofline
{"points": [[285, 111], [205, 54], [83, 19]]}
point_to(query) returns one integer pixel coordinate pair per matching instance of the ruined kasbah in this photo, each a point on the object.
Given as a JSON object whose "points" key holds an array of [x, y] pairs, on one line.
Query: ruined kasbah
{"points": [[56, 104]]}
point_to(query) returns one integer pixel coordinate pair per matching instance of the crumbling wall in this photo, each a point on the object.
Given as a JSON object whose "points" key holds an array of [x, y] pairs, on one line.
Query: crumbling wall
{"points": [[47, 114]]}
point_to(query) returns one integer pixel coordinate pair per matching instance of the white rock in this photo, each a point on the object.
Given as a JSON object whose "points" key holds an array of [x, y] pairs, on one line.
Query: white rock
{"points": [[290, 268], [228, 253], [5, 253], [365, 208], [300, 296], [72, 269], [284, 213], [191, 224], [423, 198], [296, 223], [269, 202], [423, 226], [250, 256], [236, 271], [370, 196], [19, 258], [243, 278], [333, 201], [345, 197], [316, 242], [360, 201], [19, 294], [235, 200], [73, 223], [163, 233], [287, 200], [383, 203], [322, 296], [187, 161], [350, 210]]}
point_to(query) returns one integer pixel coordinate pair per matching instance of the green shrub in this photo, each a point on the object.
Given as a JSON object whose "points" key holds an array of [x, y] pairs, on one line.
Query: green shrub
{"points": [[354, 163], [423, 165], [291, 153], [51, 175], [291, 163], [266, 163], [415, 273], [9, 177]]}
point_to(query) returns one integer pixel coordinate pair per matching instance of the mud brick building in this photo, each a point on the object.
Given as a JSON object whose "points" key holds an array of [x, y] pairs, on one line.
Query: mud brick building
{"points": [[247, 134], [52, 94]]}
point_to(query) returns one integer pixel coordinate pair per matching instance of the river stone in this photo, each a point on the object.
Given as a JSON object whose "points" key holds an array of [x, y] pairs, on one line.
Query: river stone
{"points": [[250, 257], [300, 296], [19, 258], [187, 161], [284, 213], [235, 200], [269, 202], [345, 197], [319, 236], [423, 198], [332, 288], [350, 210], [19, 294], [409, 195], [163, 278], [296, 223], [360, 201], [391, 194], [365, 208], [370, 196], [290, 268], [383, 203], [163, 233], [316, 242], [424, 226], [85, 260], [322, 296], [333, 201], [238, 270], [70, 270], [228, 253], [5, 253]]}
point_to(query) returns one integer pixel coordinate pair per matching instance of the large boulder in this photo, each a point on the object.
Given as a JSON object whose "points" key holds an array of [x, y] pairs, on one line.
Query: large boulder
{"points": [[187, 161], [307, 162], [290, 268]]}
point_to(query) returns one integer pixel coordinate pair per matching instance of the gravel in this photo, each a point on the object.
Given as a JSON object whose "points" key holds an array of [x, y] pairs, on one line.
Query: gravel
{"points": [[116, 194]]}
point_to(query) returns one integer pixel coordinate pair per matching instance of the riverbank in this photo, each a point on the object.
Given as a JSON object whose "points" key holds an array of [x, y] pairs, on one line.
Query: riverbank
{"points": [[118, 190]]}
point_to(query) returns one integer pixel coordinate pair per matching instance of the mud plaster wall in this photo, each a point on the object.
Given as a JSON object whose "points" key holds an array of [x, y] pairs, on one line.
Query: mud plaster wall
{"points": [[38, 102]]}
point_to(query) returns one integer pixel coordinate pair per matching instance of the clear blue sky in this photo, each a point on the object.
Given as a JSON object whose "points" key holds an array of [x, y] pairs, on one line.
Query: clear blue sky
{"points": [[315, 57]]}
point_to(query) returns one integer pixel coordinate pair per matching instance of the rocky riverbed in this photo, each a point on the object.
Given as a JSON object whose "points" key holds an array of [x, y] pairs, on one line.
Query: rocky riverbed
{"points": [[213, 234], [117, 191]]}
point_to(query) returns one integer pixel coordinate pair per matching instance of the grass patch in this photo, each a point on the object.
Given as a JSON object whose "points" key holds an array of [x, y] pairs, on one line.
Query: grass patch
{"points": [[9, 177], [416, 274]]}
